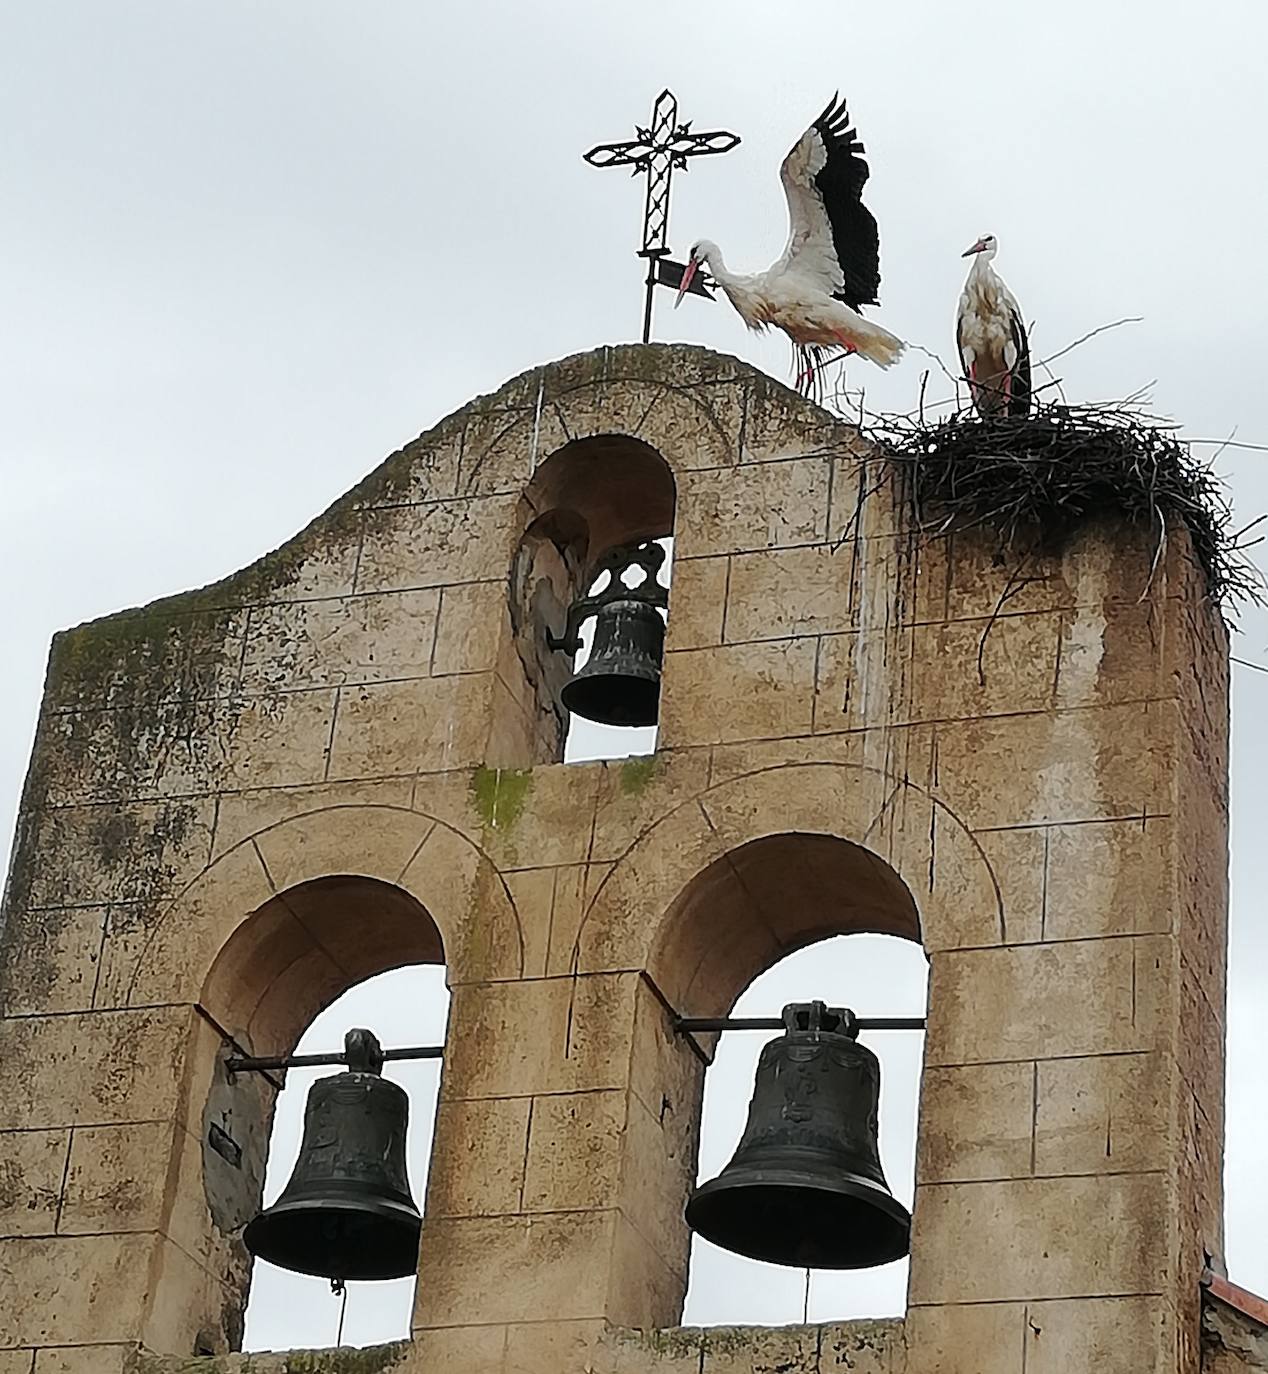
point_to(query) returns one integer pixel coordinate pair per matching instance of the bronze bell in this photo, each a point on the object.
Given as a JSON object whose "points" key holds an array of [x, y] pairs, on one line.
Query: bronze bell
{"points": [[620, 682], [347, 1212], [805, 1186]]}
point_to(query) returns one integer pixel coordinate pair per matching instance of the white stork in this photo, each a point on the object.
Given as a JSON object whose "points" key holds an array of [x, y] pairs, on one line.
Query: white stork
{"points": [[991, 336], [830, 267]]}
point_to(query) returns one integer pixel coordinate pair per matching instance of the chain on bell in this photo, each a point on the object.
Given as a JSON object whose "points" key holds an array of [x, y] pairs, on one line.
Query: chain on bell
{"points": [[620, 681], [805, 1186], [347, 1212]]}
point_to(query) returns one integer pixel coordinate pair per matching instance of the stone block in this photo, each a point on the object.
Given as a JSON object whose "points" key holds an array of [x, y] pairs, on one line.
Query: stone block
{"points": [[98, 1067], [1097, 764], [471, 1349], [1128, 1335], [477, 1163], [738, 692], [410, 727], [241, 815], [32, 1165], [628, 1350], [470, 627], [374, 840], [93, 855], [70, 1290], [375, 638], [546, 1347], [117, 1177], [18, 1361], [1110, 878], [575, 1145], [980, 1338], [532, 891], [758, 1350], [476, 1271], [976, 1122], [658, 1172], [1045, 1001], [1028, 1239], [1103, 1115], [56, 959], [1018, 858], [644, 1289], [791, 593], [862, 1347], [188, 1305], [754, 506], [535, 818], [84, 1359], [697, 602], [637, 793], [279, 740], [967, 669], [539, 1036], [425, 469], [775, 430], [439, 542]]}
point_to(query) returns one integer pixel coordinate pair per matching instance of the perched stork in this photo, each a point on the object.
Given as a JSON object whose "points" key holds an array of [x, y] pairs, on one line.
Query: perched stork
{"points": [[830, 268], [991, 336]]}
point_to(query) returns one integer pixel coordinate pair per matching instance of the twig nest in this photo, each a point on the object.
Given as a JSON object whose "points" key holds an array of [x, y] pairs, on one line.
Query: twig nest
{"points": [[1034, 480]]}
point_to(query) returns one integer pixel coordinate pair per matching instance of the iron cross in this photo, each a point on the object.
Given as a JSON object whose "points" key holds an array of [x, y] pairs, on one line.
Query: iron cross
{"points": [[657, 151]]}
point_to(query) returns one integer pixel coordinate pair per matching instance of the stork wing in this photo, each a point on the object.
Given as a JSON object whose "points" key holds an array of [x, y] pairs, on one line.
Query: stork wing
{"points": [[832, 235], [1019, 391]]}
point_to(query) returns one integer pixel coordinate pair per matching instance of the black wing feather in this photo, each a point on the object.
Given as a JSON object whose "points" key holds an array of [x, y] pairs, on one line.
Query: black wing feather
{"points": [[1019, 391], [840, 182]]}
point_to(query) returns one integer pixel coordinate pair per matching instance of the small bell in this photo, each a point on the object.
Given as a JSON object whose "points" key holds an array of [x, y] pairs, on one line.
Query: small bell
{"points": [[805, 1186], [347, 1212], [620, 682]]}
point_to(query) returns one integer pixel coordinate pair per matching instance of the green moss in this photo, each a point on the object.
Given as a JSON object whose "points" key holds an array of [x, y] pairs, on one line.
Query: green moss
{"points": [[636, 773], [500, 793], [372, 1359]]}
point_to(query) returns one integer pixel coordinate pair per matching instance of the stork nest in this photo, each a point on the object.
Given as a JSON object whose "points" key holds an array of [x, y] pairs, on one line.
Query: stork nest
{"points": [[1034, 480]]}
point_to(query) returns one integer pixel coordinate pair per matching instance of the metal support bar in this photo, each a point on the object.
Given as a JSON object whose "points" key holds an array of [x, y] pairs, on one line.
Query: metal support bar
{"points": [[684, 1025], [306, 1061]]}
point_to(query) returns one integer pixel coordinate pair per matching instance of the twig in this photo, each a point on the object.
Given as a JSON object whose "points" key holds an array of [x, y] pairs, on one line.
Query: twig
{"points": [[1091, 334]]}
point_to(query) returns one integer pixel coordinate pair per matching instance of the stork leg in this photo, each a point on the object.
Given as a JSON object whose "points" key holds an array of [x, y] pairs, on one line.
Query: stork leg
{"points": [[849, 347]]}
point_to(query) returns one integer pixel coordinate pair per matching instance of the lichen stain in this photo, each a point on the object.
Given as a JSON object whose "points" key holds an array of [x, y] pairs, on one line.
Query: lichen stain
{"points": [[636, 773], [499, 795]]}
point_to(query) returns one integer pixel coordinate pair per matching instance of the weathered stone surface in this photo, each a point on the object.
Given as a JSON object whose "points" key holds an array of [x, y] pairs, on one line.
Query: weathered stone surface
{"points": [[346, 757]]}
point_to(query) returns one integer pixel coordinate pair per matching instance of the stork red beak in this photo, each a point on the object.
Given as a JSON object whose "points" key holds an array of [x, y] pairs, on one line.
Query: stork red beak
{"points": [[977, 248], [688, 276]]}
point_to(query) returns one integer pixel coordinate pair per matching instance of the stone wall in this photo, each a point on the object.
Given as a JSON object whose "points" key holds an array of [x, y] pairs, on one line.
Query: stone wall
{"points": [[245, 799]]}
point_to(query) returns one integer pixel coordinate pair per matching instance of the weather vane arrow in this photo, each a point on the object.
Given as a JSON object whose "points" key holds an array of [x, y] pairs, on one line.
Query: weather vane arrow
{"points": [[656, 151]]}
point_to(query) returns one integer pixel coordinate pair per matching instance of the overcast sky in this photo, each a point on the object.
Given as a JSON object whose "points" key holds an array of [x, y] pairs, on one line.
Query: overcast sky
{"points": [[248, 249]]}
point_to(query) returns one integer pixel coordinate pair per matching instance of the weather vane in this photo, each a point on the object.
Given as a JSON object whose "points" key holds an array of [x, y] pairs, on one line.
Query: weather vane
{"points": [[656, 151]]}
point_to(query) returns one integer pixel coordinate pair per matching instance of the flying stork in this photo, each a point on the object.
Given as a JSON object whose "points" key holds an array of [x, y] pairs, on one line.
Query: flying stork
{"points": [[991, 336], [830, 268]]}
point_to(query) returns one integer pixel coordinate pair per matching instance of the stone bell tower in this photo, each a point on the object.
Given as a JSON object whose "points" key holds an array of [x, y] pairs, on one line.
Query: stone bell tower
{"points": [[347, 757]]}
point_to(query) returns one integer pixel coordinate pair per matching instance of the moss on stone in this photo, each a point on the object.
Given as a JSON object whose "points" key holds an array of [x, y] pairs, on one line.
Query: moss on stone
{"points": [[371, 1359], [499, 795], [636, 773]]}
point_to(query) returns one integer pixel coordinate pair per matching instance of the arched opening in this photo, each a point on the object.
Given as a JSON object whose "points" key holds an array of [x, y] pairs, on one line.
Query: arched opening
{"points": [[310, 963], [729, 942], [873, 975], [587, 501], [406, 1006]]}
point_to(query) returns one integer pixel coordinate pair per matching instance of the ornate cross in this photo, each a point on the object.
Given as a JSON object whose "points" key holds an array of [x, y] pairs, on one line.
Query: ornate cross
{"points": [[657, 150]]}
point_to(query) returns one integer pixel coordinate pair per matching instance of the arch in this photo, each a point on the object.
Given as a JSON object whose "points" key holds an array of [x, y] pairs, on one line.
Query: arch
{"points": [[440, 870], [766, 899], [907, 828], [590, 496]]}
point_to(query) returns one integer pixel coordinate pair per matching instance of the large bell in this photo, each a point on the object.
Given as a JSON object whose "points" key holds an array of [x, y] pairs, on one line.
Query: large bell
{"points": [[805, 1187], [620, 682], [347, 1212]]}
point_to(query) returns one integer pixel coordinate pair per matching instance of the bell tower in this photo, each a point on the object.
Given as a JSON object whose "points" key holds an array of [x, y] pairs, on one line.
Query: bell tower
{"points": [[348, 757]]}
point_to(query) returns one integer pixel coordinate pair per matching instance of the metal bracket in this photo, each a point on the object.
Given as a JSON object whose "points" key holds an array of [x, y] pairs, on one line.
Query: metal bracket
{"points": [[648, 555]]}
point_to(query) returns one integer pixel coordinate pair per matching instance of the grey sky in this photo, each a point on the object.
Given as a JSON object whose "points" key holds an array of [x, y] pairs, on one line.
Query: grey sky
{"points": [[248, 249]]}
